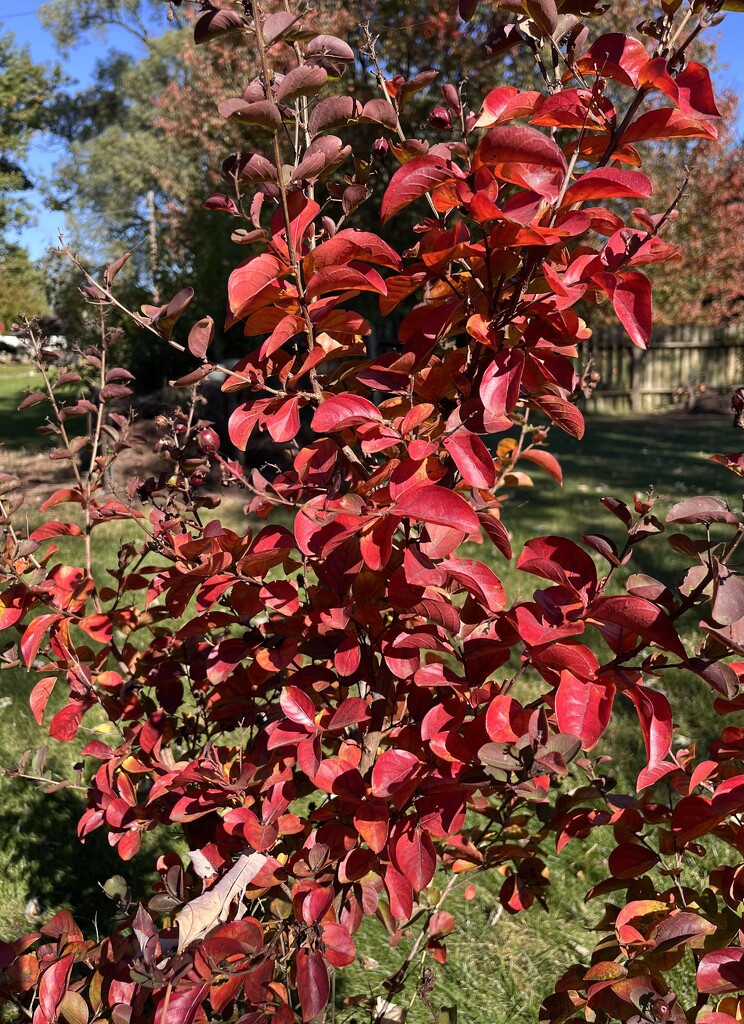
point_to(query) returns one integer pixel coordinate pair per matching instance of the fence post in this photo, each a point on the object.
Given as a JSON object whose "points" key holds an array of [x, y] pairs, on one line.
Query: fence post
{"points": [[636, 381]]}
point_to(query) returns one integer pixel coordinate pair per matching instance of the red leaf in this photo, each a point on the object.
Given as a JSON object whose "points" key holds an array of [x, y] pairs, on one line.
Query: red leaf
{"points": [[583, 708], [339, 949], [631, 298], [415, 857], [372, 822], [683, 929], [434, 504], [349, 712], [496, 532], [393, 771], [704, 510], [564, 414], [544, 13], [348, 278], [480, 581], [40, 696], [66, 722], [696, 94], [655, 717], [413, 180], [347, 657], [182, 1007], [615, 56], [313, 986], [34, 634], [629, 860], [216, 23], [668, 123], [505, 720], [607, 183], [55, 529], [400, 893], [298, 707], [523, 156], [505, 103], [545, 460], [248, 279], [341, 411], [721, 971], [499, 388], [472, 458], [53, 986], [63, 496], [351, 244], [561, 561], [641, 618], [284, 424], [201, 337], [98, 627]]}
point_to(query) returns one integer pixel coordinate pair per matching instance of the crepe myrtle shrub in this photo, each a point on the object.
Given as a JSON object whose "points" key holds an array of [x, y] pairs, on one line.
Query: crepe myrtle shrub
{"points": [[339, 713]]}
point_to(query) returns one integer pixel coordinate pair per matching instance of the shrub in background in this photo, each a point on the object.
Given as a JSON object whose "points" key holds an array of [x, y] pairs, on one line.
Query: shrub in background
{"points": [[348, 717]]}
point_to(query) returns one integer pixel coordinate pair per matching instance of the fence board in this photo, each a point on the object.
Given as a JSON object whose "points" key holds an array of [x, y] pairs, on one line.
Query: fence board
{"points": [[681, 363]]}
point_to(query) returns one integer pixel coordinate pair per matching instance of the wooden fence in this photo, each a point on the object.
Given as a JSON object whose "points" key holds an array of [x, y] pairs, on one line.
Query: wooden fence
{"points": [[681, 363]]}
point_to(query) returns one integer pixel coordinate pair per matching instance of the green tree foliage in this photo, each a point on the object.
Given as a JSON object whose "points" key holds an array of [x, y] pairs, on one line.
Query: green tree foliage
{"points": [[25, 91], [22, 287]]}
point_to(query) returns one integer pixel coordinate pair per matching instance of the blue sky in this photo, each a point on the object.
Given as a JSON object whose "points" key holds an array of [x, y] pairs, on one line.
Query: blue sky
{"points": [[24, 22]]}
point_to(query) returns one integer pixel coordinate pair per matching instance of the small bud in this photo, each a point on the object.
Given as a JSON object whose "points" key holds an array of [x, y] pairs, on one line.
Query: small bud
{"points": [[379, 148], [441, 118], [451, 98], [208, 440]]}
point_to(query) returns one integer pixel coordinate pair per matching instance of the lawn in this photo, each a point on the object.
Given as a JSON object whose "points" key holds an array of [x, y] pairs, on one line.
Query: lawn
{"points": [[499, 967]]}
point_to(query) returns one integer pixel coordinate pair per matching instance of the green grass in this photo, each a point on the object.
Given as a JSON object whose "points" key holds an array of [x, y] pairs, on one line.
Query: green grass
{"points": [[19, 428], [499, 967]]}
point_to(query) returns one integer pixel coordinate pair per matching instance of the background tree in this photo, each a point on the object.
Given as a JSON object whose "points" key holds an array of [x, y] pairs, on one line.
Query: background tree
{"points": [[150, 200], [22, 286], [25, 90]]}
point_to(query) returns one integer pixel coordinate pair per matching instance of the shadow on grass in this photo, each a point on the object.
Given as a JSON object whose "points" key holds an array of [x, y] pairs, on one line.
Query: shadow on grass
{"points": [[39, 845]]}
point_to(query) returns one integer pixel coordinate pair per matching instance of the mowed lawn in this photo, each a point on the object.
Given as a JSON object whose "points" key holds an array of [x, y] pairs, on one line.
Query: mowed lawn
{"points": [[499, 967]]}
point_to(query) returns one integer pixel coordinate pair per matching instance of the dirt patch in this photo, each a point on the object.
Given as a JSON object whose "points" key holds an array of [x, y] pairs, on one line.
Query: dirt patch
{"points": [[39, 475]]}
